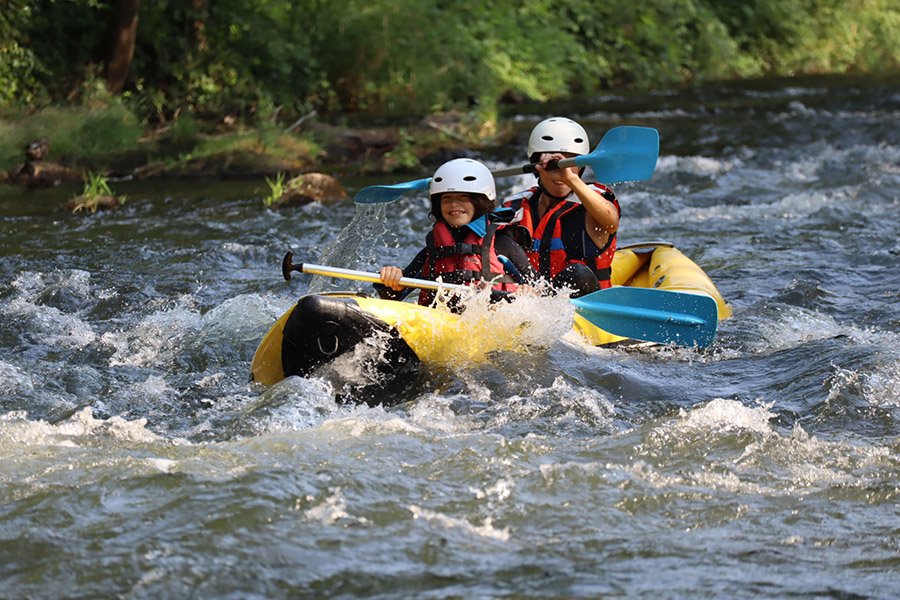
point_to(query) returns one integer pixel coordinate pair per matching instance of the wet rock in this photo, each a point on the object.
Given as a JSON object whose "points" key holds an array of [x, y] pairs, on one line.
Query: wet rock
{"points": [[92, 205], [312, 187]]}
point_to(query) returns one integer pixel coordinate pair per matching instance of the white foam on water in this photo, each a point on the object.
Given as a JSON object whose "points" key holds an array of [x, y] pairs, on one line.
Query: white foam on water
{"points": [[789, 326], [360, 421], [772, 186], [14, 380], [243, 317], [236, 248], [486, 530], [434, 412], [880, 387], [48, 324], [301, 403], [735, 448], [499, 490], [660, 114], [721, 415], [155, 389], [709, 429], [591, 402], [155, 341], [788, 207], [786, 92], [38, 455], [603, 115], [332, 510], [804, 170], [32, 285], [78, 430], [162, 336], [52, 326], [697, 165], [561, 405]]}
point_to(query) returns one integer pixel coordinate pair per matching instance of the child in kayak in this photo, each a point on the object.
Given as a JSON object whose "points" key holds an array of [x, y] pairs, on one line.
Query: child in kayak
{"points": [[467, 243], [567, 227]]}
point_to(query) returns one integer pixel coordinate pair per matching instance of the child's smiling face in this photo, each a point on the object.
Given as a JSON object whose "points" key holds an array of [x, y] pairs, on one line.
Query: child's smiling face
{"points": [[555, 181], [457, 208]]}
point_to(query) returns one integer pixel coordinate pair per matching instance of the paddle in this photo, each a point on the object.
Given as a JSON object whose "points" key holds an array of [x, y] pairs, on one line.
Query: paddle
{"points": [[287, 265], [624, 154], [663, 316], [666, 317]]}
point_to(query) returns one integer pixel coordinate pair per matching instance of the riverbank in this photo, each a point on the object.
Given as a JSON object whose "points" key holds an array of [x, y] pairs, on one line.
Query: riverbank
{"points": [[109, 140], [43, 150]]}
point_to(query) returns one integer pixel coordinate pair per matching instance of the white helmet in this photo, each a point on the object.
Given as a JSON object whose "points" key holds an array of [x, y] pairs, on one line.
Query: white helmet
{"points": [[464, 175], [558, 134]]}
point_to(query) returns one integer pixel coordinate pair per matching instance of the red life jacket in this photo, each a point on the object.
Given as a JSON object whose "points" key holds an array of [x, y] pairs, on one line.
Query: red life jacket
{"points": [[473, 259], [543, 242]]}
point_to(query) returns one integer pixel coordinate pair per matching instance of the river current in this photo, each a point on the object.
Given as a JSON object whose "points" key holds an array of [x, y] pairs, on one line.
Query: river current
{"points": [[136, 461]]}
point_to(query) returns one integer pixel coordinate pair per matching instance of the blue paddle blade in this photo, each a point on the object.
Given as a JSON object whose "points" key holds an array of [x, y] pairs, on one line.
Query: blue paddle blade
{"points": [[662, 316], [624, 154], [382, 194]]}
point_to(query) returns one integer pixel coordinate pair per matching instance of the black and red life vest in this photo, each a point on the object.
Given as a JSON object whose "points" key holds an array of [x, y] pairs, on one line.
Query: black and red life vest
{"points": [[472, 259], [543, 241]]}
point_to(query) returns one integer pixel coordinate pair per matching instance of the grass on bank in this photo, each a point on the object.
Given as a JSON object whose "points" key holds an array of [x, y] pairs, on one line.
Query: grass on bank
{"points": [[89, 133], [108, 137]]}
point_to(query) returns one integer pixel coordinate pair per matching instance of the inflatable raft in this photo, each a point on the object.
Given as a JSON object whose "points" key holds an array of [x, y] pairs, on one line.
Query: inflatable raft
{"points": [[397, 336]]}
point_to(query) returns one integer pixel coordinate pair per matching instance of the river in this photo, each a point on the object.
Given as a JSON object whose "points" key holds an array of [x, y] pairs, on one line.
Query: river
{"points": [[137, 461]]}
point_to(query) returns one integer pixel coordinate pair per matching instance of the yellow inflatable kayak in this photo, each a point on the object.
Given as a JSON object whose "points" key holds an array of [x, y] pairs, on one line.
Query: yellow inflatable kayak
{"points": [[320, 328]]}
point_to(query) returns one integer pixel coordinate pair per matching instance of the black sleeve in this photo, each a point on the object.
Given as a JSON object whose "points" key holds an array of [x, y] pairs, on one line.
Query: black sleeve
{"points": [[413, 269], [505, 244]]}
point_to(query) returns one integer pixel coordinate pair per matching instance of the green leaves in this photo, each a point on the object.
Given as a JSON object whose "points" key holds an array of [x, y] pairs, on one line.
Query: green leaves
{"points": [[244, 57]]}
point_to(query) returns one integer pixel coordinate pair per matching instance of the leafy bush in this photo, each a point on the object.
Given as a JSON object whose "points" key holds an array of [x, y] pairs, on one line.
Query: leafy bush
{"points": [[250, 59]]}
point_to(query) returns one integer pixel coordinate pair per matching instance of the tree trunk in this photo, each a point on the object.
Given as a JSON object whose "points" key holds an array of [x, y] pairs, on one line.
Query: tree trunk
{"points": [[123, 38]]}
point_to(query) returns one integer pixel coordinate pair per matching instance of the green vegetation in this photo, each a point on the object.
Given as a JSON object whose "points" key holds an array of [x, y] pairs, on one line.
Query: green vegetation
{"points": [[246, 58], [88, 132], [96, 194], [403, 155], [276, 190], [192, 72], [111, 137]]}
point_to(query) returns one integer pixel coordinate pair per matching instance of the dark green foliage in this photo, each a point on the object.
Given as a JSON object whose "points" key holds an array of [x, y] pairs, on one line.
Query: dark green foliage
{"points": [[255, 59], [663, 41]]}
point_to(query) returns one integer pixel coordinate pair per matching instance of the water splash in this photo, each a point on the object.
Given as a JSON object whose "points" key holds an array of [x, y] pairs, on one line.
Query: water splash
{"points": [[355, 245]]}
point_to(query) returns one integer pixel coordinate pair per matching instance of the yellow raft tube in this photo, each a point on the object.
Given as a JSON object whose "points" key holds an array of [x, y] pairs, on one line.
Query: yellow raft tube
{"points": [[319, 328]]}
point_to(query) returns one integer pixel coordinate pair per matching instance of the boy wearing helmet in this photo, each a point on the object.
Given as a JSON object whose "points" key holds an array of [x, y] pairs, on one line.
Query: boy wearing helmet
{"points": [[567, 227], [463, 246]]}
